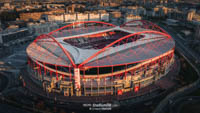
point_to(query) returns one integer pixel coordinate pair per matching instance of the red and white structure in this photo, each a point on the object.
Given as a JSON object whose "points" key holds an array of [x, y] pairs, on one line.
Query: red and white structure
{"points": [[96, 58]]}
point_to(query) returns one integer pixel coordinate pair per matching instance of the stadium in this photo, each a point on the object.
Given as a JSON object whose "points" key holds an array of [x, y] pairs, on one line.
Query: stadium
{"points": [[99, 60]]}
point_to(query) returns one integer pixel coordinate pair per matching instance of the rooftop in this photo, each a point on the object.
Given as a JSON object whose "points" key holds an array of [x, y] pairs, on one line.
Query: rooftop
{"points": [[101, 45]]}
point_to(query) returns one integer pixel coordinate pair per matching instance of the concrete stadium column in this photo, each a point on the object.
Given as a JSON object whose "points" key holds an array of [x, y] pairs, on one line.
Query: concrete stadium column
{"points": [[44, 69], [56, 72], [77, 81], [70, 77], [51, 74]]}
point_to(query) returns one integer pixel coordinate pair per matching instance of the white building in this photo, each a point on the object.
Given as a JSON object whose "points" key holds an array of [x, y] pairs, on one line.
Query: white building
{"points": [[55, 18], [94, 16], [82, 16], [11, 35], [70, 17], [38, 29], [73, 17], [132, 17], [104, 17], [171, 22]]}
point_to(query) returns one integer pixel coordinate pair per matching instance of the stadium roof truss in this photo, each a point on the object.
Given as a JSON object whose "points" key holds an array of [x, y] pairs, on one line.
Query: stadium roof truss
{"points": [[137, 41]]}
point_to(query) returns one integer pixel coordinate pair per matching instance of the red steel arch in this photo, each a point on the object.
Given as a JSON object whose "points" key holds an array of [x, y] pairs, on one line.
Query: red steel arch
{"points": [[63, 49], [128, 36], [102, 50], [145, 21], [77, 23], [49, 35]]}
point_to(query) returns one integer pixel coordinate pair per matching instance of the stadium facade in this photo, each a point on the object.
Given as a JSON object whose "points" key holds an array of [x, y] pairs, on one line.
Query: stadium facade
{"points": [[97, 59]]}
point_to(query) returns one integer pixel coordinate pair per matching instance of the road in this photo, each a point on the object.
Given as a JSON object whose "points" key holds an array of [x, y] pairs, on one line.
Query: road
{"points": [[180, 45], [178, 104], [3, 82], [194, 60], [4, 108]]}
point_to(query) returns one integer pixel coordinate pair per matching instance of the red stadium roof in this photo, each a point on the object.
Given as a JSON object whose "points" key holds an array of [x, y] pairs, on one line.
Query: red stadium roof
{"points": [[94, 44]]}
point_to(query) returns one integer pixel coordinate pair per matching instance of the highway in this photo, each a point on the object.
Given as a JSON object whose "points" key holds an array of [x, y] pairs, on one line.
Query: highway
{"points": [[178, 104], [4, 108], [193, 59], [180, 45]]}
